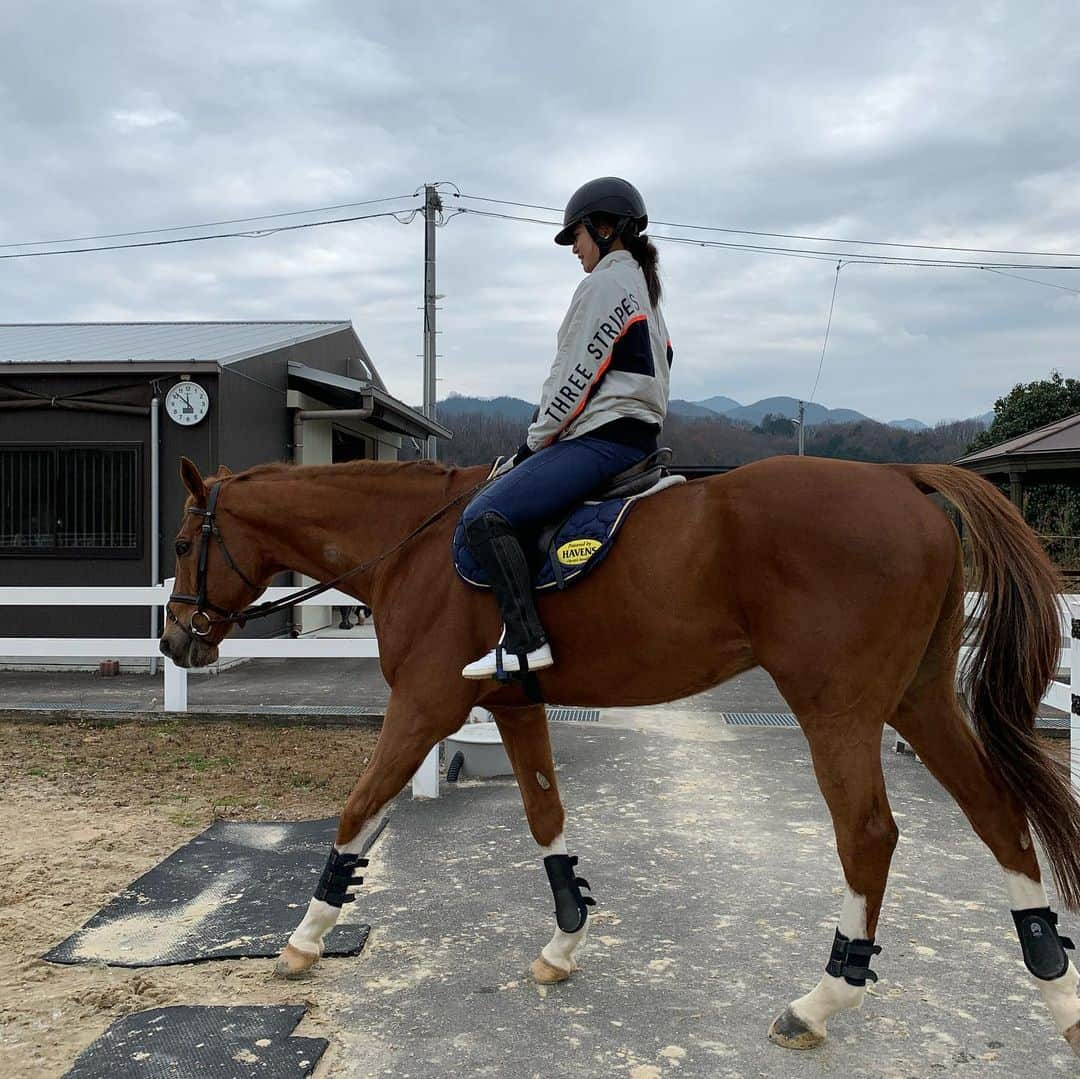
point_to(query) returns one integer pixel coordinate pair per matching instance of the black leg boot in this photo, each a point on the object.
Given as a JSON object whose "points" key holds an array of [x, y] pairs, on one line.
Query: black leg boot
{"points": [[523, 646]]}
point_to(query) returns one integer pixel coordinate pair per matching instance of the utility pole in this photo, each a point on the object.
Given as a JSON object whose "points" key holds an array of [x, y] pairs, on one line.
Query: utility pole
{"points": [[432, 207], [802, 429]]}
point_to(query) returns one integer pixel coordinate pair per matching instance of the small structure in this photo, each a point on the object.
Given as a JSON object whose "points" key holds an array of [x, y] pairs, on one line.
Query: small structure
{"points": [[94, 418], [1050, 454]]}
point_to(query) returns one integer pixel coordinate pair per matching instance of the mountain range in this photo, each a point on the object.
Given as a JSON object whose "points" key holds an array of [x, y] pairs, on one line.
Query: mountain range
{"points": [[515, 409]]}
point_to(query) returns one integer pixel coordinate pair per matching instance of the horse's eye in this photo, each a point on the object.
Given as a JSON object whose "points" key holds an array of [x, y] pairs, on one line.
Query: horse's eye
{"points": [[182, 548]]}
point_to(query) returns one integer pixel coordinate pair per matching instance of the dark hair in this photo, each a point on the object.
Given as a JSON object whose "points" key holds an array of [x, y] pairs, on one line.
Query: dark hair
{"points": [[643, 250], [648, 258]]}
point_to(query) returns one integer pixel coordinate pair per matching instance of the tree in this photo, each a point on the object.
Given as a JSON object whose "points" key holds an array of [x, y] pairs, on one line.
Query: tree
{"points": [[774, 423], [1027, 407]]}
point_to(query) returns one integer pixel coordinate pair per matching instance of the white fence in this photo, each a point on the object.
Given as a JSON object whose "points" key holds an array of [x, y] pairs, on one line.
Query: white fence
{"points": [[426, 782]]}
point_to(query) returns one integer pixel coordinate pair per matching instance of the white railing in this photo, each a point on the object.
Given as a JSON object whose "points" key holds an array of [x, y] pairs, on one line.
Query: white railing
{"points": [[1059, 694], [426, 781]]}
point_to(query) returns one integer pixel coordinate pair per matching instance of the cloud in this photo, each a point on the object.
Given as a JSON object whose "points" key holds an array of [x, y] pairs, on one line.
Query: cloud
{"points": [[142, 119], [921, 123]]}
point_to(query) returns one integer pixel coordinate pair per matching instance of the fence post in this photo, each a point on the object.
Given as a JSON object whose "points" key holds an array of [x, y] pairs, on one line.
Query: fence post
{"points": [[425, 783], [175, 677], [1074, 697], [175, 687]]}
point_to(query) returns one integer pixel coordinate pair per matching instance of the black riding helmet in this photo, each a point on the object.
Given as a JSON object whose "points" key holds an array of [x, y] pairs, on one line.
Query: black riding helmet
{"points": [[607, 195]]}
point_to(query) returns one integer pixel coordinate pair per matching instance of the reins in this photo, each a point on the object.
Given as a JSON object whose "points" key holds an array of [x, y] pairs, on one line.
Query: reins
{"points": [[209, 530]]}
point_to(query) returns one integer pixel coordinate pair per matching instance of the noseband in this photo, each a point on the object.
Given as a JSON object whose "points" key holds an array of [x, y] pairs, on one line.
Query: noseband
{"points": [[200, 601]]}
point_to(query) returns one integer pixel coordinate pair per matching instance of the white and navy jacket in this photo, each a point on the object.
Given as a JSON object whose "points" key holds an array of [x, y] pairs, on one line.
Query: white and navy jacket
{"points": [[613, 360]]}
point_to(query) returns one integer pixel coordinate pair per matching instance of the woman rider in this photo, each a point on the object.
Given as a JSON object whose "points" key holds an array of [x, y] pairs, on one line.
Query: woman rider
{"points": [[601, 409]]}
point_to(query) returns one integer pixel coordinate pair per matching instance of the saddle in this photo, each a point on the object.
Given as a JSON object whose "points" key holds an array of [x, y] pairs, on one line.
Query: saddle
{"points": [[566, 550]]}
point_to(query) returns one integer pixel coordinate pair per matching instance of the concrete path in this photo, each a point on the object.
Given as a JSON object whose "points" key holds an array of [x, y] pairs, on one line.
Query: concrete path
{"points": [[712, 859]]}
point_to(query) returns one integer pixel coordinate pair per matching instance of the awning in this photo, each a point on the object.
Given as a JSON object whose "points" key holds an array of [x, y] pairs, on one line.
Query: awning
{"points": [[339, 391]]}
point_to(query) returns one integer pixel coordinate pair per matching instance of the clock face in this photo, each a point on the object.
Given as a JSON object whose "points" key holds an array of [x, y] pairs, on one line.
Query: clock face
{"points": [[187, 403]]}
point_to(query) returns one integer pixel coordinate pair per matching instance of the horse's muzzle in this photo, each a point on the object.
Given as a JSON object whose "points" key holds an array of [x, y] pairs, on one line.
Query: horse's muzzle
{"points": [[186, 651]]}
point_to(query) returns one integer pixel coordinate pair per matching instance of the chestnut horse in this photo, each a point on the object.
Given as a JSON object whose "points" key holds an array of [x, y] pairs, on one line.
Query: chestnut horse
{"points": [[842, 580]]}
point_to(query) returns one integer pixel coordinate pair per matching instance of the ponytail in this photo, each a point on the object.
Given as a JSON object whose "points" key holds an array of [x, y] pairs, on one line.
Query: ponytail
{"points": [[640, 246], [648, 258]]}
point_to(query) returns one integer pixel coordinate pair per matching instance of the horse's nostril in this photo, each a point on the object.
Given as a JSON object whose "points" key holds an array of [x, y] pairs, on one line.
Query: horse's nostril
{"points": [[163, 644]]}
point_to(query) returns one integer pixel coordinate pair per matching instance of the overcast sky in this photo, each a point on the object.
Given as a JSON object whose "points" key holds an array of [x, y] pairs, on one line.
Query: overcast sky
{"points": [[919, 122]]}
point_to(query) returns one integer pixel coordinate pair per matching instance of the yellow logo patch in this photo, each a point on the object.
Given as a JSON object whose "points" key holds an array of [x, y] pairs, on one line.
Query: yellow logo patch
{"points": [[577, 551]]}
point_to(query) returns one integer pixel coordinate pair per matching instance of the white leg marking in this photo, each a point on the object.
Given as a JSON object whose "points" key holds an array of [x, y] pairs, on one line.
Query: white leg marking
{"points": [[558, 846], [369, 827], [319, 920], [322, 917], [559, 951], [853, 916], [1024, 893], [1060, 995], [832, 995]]}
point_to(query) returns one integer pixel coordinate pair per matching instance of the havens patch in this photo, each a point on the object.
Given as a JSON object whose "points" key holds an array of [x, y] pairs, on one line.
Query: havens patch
{"points": [[578, 551]]}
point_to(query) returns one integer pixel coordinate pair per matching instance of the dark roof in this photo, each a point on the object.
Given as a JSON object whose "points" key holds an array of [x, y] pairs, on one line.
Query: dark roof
{"points": [[1059, 437], [1052, 452], [148, 342]]}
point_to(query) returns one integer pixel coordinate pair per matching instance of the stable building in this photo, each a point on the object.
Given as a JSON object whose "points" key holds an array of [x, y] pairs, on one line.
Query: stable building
{"points": [[94, 418]]}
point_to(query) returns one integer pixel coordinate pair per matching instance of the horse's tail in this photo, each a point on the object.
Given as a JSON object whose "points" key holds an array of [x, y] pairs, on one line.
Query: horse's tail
{"points": [[1017, 639]]}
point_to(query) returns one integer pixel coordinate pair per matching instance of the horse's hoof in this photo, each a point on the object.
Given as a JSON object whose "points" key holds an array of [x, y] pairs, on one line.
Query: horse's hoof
{"points": [[545, 974], [1072, 1036], [791, 1032], [292, 963]]}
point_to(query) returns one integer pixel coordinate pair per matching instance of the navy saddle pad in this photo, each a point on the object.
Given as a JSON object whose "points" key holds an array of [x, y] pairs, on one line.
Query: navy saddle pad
{"points": [[579, 544]]}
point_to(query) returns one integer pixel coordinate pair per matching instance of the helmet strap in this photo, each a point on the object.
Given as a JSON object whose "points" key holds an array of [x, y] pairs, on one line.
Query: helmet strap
{"points": [[604, 243]]}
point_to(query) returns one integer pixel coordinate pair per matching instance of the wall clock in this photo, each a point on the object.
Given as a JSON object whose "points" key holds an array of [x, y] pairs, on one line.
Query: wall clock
{"points": [[187, 403]]}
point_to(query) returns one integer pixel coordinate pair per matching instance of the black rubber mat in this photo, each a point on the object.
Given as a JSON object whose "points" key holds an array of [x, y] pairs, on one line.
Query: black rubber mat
{"points": [[202, 1043], [236, 890]]}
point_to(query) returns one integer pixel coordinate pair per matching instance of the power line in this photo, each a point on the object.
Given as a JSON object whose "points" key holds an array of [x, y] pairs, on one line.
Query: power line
{"points": [[1033, 280], [879, 260], [804, 236], [504, 217], [252, 234], [803, 252], [207, 224], [828, 326], [689, 241], [869, 243]]}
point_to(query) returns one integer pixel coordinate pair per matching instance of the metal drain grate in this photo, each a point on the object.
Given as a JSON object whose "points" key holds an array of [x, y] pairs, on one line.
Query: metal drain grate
{"points": [[574, 715], [760, 719]]}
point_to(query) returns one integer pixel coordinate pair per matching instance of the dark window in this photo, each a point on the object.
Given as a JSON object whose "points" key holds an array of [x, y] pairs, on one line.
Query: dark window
{"points": [[345, 446], [70, 500]]}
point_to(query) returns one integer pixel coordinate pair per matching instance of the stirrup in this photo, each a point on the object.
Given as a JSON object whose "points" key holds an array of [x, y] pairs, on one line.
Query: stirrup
{"points": [[488, 666]]}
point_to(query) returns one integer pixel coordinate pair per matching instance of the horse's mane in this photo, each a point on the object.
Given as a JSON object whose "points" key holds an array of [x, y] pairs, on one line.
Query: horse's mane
{"points": [[284, 470]]}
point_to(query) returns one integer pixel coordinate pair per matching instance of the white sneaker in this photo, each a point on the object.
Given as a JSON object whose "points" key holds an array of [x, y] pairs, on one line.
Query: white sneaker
{"points": [[485, 667]]}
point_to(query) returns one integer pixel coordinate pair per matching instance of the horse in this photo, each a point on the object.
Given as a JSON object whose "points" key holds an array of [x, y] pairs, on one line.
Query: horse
{"points": [[842, 580]]}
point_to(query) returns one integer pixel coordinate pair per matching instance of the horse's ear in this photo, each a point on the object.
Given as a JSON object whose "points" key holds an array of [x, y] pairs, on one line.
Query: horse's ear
{"points": [[193, 480], [224, 470]]}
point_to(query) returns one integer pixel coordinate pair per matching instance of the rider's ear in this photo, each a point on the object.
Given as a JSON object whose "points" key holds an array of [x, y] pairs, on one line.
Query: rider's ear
{"points": [[193, 480]]}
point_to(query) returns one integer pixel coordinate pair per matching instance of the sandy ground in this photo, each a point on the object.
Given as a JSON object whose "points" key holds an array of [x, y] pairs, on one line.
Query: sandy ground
{"points": [[85, 810]]}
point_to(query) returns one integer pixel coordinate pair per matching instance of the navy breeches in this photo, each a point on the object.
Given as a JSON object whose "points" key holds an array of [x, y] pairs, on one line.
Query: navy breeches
{"points": [[552, 481]]}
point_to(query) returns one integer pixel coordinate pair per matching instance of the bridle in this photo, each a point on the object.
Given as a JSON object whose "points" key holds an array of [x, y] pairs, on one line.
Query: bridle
{"points": [[200, 601], [210, 531]]}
